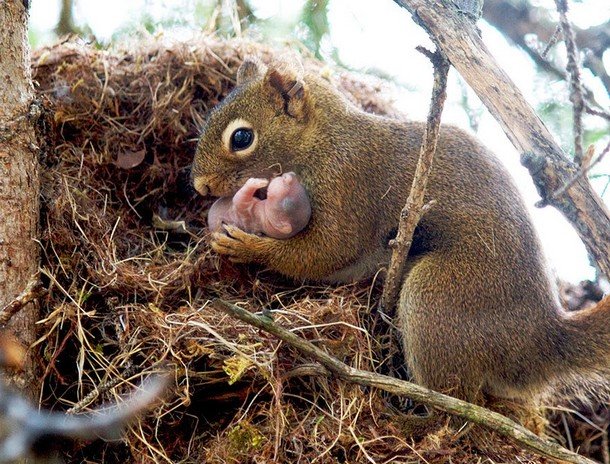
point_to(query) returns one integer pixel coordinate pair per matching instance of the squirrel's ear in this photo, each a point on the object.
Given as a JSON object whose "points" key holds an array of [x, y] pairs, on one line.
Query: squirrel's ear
{"points": [[250, 69], [289, 90]]}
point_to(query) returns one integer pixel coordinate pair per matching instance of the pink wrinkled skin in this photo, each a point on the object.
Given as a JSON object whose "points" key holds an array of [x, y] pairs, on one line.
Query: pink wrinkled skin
{"points": [[283, 214]]}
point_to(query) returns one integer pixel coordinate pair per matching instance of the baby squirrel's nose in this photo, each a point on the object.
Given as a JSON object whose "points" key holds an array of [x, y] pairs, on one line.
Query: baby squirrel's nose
{"points": [[200, 186], [289, 177]]}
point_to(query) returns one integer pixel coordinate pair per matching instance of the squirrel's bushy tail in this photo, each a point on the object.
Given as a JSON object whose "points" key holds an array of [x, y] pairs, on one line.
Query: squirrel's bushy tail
{"points": [[585, 336]]}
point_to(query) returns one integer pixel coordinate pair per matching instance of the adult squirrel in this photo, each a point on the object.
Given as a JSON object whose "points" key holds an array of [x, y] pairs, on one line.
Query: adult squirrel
{"points": [[478, 310]]}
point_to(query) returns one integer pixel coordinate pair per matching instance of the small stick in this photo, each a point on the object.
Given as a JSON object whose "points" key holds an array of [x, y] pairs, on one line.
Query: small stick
{"points": [[32, 291], [582, 172], [597, 112], [471, 412], [29, 426], [576, 96], [415, 207], [93, 394], [552, 41]]}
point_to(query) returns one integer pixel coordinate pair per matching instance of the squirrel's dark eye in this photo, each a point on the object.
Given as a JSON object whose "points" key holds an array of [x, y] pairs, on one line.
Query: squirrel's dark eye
{"points": [[241, 139]]}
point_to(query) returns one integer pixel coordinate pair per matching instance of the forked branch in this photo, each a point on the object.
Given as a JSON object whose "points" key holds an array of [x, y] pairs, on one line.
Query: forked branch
{"points": [[415, 206]]}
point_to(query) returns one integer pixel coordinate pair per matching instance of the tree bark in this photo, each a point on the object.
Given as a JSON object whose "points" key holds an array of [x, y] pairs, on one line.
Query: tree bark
{"points": [[19, 183], [549, 167]]}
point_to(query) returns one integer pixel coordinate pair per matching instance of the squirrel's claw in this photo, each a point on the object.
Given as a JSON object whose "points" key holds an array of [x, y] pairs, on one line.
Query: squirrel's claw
{"points": [[238, 246]]}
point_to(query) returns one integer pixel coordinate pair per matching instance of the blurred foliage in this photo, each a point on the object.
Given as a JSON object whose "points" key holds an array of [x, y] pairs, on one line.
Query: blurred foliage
{"points": [[227, 18], [314, 22], [183, 15], [34, 38]]}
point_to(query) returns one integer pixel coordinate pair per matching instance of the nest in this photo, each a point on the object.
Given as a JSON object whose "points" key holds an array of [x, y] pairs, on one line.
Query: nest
{"points": [[129, 277]]}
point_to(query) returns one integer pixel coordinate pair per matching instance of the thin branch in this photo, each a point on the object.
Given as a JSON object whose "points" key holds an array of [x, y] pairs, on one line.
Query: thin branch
{"points": [[32, 291], [597, 112], [576, 96], [233, 12], [415, 207], [591, 104], [586, 167], [95, 393], [471, 412], [551, 43], [28, 425], [594, 63], [515, 20]]}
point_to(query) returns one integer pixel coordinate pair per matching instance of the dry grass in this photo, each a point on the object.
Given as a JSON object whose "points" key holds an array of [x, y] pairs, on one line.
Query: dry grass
{"points": [[129, 276]]}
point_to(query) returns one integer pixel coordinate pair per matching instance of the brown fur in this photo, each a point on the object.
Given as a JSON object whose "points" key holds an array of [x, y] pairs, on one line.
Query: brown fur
{"points": [[478, 310]]}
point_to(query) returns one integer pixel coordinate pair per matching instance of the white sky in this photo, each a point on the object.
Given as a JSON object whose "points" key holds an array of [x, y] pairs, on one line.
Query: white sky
{"points": [[382, 38]]}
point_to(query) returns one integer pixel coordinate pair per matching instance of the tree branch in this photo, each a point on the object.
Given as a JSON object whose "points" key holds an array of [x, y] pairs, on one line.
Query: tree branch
{"points": [[576, 97], [415, 207], [65, 25], [549, 167], [32, 291], [30, 426], [469, 411], [517, 19]]}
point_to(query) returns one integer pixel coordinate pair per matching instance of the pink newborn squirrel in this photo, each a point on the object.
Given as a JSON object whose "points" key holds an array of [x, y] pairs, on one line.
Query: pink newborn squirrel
{"points": [[283, 214]]}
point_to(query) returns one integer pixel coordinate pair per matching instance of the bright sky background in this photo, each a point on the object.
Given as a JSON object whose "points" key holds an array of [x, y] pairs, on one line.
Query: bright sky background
{"points": [[382, 38]]}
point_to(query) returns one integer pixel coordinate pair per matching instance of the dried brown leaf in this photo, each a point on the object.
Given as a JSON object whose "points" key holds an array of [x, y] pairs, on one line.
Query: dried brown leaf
{"points": [[130, 159]]}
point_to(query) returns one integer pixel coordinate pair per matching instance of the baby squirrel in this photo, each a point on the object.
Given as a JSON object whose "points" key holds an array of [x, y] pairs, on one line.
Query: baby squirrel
{"points": [[478, 310], [282, 214]]}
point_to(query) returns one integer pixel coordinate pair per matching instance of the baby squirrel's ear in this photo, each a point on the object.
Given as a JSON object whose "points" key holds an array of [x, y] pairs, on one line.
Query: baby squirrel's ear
{"points": [[250, 69], [288, 89]]}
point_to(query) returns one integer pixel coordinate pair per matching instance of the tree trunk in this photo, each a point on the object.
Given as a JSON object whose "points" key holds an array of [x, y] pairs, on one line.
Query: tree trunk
{"points": [[65, 25], [19, 183]]}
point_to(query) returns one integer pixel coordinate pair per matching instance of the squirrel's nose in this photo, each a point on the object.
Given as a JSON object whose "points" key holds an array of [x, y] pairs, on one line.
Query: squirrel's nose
{"points": [[201, 186]]}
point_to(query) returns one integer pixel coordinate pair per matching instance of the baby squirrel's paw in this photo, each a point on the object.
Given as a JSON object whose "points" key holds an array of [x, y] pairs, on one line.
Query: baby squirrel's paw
{"points": [[239, 246]]}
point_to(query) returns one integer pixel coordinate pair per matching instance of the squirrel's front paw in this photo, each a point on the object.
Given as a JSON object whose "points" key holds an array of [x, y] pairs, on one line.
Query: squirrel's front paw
{"points": [[239, 246]]}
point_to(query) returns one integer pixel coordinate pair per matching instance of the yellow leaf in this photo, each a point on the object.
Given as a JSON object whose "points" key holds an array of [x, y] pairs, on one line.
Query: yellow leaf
{"points": [[235, 367]]}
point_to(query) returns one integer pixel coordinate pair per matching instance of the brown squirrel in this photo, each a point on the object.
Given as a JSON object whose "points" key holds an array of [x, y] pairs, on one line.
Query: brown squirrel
{"points": [[478, 311]]}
